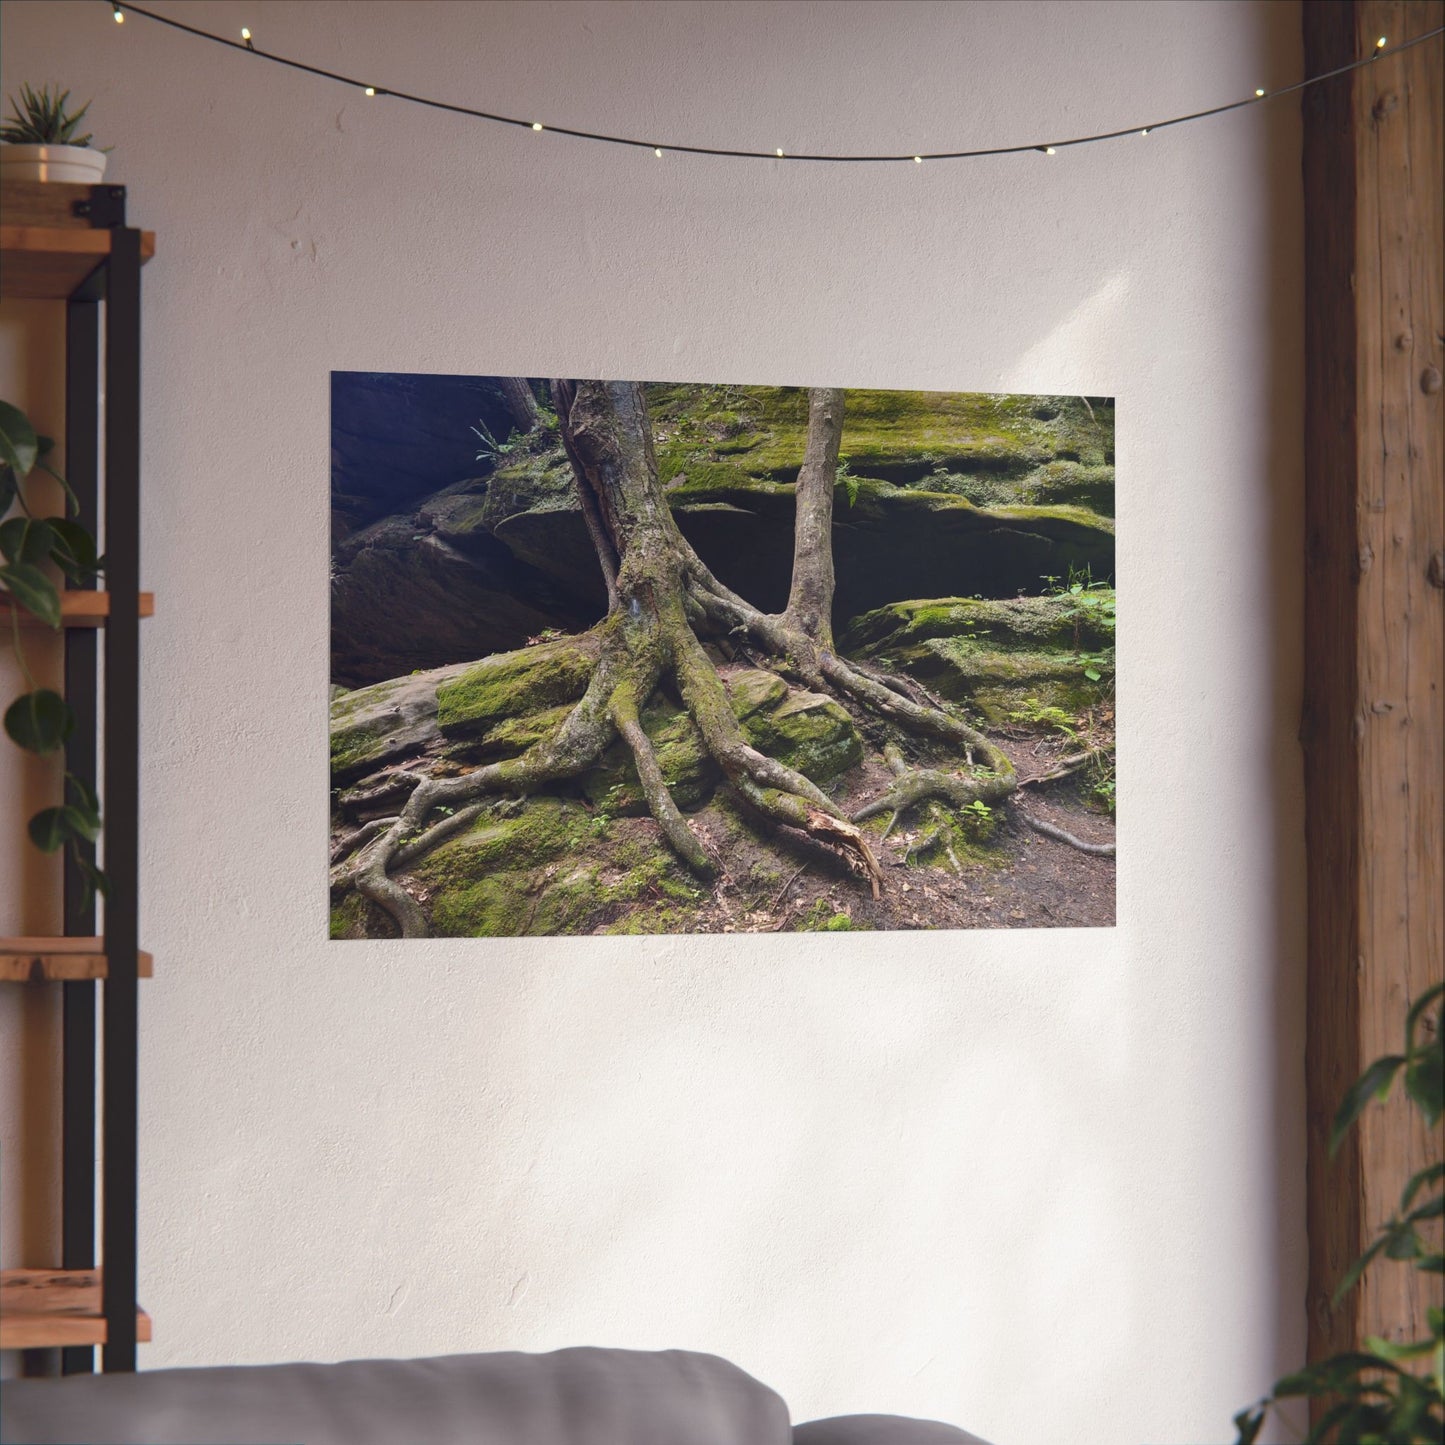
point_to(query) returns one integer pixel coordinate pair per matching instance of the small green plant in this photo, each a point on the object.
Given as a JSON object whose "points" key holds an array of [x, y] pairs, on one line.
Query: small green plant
{"points": [[980, 822], [1374, 1399], [1089, 605], [40, 720], [847, 481], [490, 450], [39, 118], [1045, 715]]}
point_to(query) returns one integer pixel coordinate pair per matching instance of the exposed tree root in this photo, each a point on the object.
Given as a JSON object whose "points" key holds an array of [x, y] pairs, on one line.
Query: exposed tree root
{"points": [[1049, 830], [661, 600], [1064, 768]]}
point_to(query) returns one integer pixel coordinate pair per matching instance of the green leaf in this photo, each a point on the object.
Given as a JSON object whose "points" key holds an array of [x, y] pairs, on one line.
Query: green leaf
{"points": [[1425, 1081], [8, 488], [94, 880], [1402, 1243], [19, 446], [39, 721], [49, 830], [1417, 1008], [1374, 1083], [24, 540], [1358, 1268], [1092, 673], [74, 549], [33, 590], [1389, 1350], [1249, 1424], [1427, 1175]]}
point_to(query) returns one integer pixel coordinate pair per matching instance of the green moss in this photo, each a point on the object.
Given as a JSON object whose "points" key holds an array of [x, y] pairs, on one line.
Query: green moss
{"points": [[958, 441], [808, 732], [514, 735], [509, 684], [820, 918], [551, 871], [1010, 624], [348, 918]]}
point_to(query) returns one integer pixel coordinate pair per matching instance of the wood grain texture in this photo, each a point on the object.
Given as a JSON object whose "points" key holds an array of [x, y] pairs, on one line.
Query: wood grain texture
{"points": [[1374, 720], [50, 204], [36, 960], [48, 263], [49, 1308], [78, 609]]}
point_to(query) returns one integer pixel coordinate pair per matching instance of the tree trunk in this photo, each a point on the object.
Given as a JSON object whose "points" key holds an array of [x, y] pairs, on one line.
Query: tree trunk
{"points": [[521, 403], [810, 603]]}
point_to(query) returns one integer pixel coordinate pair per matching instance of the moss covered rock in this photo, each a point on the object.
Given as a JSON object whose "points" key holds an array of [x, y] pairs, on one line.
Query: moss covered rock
{"points": [[388, 720], [942, 493], [513, 684], [1007, 658], [552, 867]]}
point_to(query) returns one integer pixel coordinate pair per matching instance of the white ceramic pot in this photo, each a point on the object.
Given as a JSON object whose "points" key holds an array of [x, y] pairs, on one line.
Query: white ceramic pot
{"points": [[78, 164]]}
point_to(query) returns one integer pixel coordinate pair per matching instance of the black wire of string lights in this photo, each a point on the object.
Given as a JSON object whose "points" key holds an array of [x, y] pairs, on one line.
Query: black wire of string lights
{"points": [[246, 44]]}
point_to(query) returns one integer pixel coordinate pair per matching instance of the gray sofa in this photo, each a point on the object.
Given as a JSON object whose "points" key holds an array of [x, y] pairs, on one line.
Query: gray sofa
{"points": [[571, 1397]]}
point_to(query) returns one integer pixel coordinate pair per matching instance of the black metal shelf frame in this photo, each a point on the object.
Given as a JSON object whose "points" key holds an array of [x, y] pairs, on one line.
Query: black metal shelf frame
{"points": [[105, 704]]}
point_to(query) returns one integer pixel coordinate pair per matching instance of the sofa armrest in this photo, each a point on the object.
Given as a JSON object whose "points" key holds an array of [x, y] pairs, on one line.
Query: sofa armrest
{"points": [[880, 1430]]}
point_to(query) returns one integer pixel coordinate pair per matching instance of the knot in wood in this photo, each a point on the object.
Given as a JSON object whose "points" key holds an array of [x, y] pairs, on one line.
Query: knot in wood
{"points": [[1435, 569], [1404, 341], [1384, 104], [1430, 380]]}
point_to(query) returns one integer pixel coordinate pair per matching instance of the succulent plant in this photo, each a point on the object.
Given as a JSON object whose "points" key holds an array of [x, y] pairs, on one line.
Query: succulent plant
{"points": [[40, 118]]}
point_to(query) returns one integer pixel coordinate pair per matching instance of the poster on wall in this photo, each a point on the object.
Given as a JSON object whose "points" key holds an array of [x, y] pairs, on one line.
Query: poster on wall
{"points": [[620, 657]]}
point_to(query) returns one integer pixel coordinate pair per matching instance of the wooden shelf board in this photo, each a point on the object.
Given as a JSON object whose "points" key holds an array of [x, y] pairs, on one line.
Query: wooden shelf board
{"points": [[36, 960], [79, 609], [49, 1308], [49, 262]]}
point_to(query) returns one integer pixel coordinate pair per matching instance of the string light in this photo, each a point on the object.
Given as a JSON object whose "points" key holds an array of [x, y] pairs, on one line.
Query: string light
{"points": [[118, 10]]}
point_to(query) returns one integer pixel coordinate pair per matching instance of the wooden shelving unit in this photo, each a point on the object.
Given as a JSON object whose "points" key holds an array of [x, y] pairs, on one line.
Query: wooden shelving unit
{"points": [[71, 243], [78, 609], [46, 1308], [59, 960]]}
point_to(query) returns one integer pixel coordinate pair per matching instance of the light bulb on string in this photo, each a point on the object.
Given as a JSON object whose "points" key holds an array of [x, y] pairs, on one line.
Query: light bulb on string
{"points": [[246, 36], [657, 151], [1380, 43], [1050, 151], [918, 160], [1259, 93], [779, 154], [536, 125], [370, 90], [1145, 131], [119, 14]]}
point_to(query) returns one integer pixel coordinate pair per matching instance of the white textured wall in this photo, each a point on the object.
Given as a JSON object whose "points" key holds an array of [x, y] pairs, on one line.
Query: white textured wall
{"points": [[1046, 1185]]}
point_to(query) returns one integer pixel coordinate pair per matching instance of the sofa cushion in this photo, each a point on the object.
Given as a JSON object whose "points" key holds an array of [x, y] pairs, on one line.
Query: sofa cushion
{"points": [[571, 1397], [880, 1430]]}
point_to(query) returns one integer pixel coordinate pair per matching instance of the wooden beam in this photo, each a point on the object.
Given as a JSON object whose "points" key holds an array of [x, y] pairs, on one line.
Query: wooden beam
{"points": [[1374, 718]]}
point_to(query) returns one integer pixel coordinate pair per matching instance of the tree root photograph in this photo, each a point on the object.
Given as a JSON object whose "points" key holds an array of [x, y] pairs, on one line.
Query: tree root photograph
{"points": [[614, 657]]}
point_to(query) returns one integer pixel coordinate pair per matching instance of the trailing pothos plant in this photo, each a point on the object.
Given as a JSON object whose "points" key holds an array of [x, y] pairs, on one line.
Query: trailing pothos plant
{"points": [[40, 720], [1380, 1395]]}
